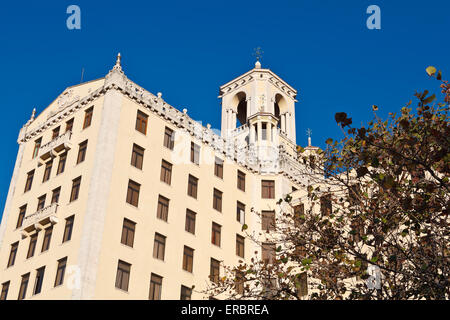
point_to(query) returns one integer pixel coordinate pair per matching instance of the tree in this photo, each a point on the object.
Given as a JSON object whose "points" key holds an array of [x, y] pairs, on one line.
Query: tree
{"points": [[377, 209]]}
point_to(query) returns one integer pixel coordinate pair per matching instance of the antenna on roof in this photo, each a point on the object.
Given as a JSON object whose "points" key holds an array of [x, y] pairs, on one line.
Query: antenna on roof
{"points": [[82, 74]]}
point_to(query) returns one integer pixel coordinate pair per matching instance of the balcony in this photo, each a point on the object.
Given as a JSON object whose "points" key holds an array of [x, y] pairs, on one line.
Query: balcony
{"points": [[54, 147], [39, 219]]}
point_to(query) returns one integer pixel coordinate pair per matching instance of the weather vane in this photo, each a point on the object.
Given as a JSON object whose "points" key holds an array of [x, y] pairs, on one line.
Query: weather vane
{"points": [[258, 53]]}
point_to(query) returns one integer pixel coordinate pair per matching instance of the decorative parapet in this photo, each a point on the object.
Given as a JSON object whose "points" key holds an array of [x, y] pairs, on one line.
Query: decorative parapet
{"points": [[40, 218], [55, 146]]}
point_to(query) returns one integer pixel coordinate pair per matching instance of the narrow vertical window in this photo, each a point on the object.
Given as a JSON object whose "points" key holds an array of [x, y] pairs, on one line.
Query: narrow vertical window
{"points": [[268, 189], [195, 153], [55, 195], [88, 117], [13, 254], [239, 282], [302, 284], [215, 234], [62, 163], [141, 122], [30, 176], [163, 208], [217, 200], [22, 211], [166, 172], [214, 271], [218, 168], [192, 186], [82, 149], [39, 280], [188, 259], [37, 146], [41, 202], [268, 220], [155, 287], [47, 238], [75, 189], [128, 231], [68, 229], [169, 138], [69, 125], [325, 205], [23, 286], [133, 193], [48, 170], [241, 180], [299, 214], [137, 156], [60, 271], [240, 212], [240, 245], [190, 221], [32, 246], [186, 293], [159, 246], [268, 252], [123, 275], [5, 289], [55, 133]]}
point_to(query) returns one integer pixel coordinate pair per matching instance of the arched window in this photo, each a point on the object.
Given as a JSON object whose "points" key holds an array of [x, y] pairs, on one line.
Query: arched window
{"points": [[241, 109]]}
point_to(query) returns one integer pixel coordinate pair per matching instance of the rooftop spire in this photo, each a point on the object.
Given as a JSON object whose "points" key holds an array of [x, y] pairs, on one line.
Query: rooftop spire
{"points": [[118, 65], [309, 134]]}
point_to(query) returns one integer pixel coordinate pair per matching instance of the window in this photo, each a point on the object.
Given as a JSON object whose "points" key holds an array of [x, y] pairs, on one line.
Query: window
{"points": [[268, 252], [240, 245], [215, 234], [128, 231], [75, 189], [68, 229], [41, 202], [239, 282], [60, 271], [13, 254], [240, 212], [190, 221], [47, 239], [268, 189], [302, 284], [23, 286], [22, 211], [62, 163], [186, 293], [299, 214], [123, 275], [214, 270], [264, 131], [188, 259], [162, 211], [48, 170], [32, 246], [195, 153], [268, 220], [37, 146], [29, 182], [5, 289], [169, 138], [82, 151], [159, 246], [155, 287], [166, 172], [133, 193], [69, 125], [218, 168], [241, 180], [88, 117], [325, 205], [141, 122], [137, 156], [217, 200], [55, 195], [39, 279], [55, 133], [192, 186]]}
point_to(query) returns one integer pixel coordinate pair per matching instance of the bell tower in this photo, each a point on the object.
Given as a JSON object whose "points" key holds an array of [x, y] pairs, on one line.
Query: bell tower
{"points": [[262, 103]]}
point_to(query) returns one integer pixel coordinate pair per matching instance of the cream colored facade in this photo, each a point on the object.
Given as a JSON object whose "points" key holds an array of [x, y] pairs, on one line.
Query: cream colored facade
{"points": [[257, 138]]}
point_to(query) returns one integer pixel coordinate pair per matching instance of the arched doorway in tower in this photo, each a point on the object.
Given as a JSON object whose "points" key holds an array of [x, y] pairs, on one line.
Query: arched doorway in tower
{"points": [[241, 109]]}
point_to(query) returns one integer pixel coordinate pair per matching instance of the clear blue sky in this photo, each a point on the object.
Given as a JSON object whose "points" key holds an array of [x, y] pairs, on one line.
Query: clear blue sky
{"points": [[187, 49]]}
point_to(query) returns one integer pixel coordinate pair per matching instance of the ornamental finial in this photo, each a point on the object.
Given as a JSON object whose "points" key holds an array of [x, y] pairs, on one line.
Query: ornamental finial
{"points": [[309, 134], [33, 114], [118, 65]]}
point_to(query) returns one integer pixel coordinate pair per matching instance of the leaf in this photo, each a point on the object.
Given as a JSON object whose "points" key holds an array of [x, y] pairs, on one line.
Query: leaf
{"points": [[374, 107], [329, 141], [430, 70], [429, 99], [244, 227]]}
